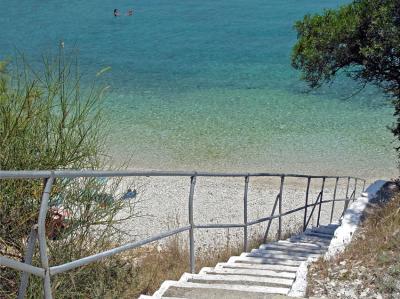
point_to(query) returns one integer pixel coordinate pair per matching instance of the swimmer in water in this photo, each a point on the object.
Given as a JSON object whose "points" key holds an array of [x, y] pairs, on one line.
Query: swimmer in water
{"points": [[130, 12], [116, 12]]}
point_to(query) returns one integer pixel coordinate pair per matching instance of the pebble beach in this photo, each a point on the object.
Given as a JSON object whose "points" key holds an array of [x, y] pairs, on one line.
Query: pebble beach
{"points": [[162, 204]]}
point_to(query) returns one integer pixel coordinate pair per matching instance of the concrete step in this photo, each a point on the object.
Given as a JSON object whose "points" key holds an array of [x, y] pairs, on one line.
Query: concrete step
{"points": [[310, 239], [317, 234], [324, 230], [280, 253], [266, 272], [291, 248], [220, 291], [305, 245], [248, 272], [261, 260], [237, 280], [299, 240], [266, 254], [289, 251], [272, 267], [206, 270], [334, 224], [306, 240]]}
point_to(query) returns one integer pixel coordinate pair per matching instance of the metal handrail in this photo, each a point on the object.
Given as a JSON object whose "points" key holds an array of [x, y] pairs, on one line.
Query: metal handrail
{"points": [[318, 201], [37, 174], [272, 214], [45, 271]]}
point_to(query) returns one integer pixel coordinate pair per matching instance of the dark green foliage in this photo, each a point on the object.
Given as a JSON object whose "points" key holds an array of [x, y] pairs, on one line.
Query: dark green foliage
{"points": [[361, 39]]}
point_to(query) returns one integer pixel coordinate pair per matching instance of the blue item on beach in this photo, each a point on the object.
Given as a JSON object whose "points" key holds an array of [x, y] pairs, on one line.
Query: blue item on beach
{"points": [[130, 194]]}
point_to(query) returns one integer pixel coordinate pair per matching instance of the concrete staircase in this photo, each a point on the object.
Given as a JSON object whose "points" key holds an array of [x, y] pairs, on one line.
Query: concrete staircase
{"points": [[266, 272]]}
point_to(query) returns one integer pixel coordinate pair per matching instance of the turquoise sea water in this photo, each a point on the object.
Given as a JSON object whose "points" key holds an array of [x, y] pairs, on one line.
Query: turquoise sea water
{"points": [[207, 85]]}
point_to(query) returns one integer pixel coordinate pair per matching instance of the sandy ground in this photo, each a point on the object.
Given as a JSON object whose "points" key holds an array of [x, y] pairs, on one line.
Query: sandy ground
{"points": [[162, 204]]}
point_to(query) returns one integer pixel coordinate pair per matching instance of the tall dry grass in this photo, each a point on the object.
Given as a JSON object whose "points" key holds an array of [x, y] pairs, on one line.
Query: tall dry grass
{"points": [[375, 247]]}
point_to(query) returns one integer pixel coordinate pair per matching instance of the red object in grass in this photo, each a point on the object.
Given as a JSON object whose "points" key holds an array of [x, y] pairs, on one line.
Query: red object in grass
{"points": [[56, 222]]}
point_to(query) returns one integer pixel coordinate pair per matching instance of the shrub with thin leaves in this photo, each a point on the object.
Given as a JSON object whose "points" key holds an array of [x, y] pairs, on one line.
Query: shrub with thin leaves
{"points": [[48, 122]]}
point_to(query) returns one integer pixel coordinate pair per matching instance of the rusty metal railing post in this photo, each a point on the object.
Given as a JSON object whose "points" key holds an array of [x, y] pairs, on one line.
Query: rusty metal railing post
{"points": [[355, 188], [42, 235], [334, 199], [312, 210], [306, 205], [192, 258], [347, 188], [346, 202], [28, 260], [320, 201], [280, 208], [246, 189], [270, 220]]}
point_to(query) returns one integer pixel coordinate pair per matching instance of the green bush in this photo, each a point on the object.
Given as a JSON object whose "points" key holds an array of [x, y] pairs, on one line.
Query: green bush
{"points": [[48, 122]]}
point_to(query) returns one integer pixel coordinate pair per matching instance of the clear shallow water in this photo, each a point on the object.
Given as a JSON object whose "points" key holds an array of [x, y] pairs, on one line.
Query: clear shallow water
{"points": [[207, 85]]}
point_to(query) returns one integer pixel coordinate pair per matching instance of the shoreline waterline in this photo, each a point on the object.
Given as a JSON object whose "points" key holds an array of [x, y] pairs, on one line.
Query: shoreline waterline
{"points": [[290, 172], [253, 131]]}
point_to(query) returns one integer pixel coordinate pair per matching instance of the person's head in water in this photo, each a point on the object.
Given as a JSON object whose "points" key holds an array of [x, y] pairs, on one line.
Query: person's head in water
{"points": [[116, 12], [129, 12]]}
